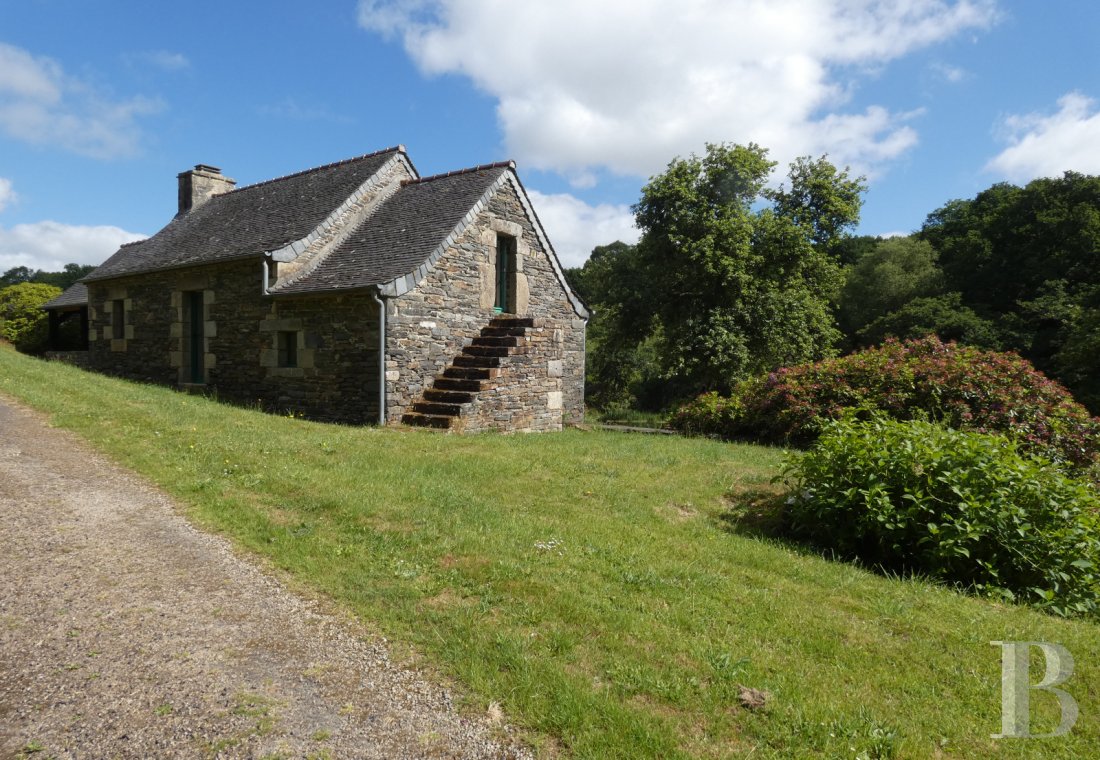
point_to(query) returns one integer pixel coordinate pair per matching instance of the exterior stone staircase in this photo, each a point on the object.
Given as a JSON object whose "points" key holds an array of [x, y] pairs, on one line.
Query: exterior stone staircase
{"points": [[476, 369]]}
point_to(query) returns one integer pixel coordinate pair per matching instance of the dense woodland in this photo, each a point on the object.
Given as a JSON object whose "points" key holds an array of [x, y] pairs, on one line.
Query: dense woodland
{"points": [[732, 278]]}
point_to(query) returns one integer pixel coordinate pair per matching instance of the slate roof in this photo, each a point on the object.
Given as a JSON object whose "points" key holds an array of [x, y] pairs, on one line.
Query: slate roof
{"points": [[74, 295], [403, 233], [393, 248], [247, 221]]}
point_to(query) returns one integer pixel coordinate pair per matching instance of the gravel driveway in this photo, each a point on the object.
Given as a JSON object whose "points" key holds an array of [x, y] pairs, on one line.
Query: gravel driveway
{"points": [[125, 632]]}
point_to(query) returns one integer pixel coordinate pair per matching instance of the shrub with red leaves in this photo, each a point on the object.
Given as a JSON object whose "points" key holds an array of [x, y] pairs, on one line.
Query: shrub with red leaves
{"points": [[959, 386]]}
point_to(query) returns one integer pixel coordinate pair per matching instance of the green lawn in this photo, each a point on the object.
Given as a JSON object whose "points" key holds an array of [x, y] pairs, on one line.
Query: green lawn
{"points": [[587, 581]]}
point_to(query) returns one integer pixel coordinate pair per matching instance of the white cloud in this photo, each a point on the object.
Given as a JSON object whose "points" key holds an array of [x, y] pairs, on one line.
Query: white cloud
{"points": [[41, 105], [7, 194], [167, 60], [629, 84], [949, 73], [51, 245], [1048, 145], [575, 227]]}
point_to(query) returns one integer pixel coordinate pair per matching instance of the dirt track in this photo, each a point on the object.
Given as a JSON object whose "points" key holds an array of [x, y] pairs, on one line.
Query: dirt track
{"points": [[125, 632]]}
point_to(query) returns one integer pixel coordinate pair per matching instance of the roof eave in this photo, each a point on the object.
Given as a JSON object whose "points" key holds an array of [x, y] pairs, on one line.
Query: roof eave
{"points": [[173, 267]]}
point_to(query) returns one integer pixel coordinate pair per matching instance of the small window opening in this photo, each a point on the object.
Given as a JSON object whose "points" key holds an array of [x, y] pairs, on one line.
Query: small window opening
{"points": [[288, 348], [505, 274], [118, 319]]}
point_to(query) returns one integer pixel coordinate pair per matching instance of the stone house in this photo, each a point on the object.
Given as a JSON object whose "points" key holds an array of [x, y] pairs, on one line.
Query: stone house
{"points": [[355, 292]]}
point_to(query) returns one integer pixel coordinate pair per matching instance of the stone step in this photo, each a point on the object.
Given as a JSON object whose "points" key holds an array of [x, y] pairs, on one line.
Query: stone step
{"points": [[519, 332], [431, 408], [427, 420], [448, 397], [454, 384], [486, 350], [496, 340], [471, 373], [476, 361], [512, 322]]}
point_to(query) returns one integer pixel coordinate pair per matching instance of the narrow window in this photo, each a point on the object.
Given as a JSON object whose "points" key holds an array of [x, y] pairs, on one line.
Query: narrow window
{"points": [[506, 267], [118, 319], [194, 336], [288, 348]]}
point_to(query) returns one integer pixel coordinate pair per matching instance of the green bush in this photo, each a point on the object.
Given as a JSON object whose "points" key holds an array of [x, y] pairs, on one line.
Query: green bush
{"points": [[964, 507], [710, 414], [961, 386], [22, 321]]}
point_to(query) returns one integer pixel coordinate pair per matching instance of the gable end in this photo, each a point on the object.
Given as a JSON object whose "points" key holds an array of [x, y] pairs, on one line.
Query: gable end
{"points": [[401, 285]]}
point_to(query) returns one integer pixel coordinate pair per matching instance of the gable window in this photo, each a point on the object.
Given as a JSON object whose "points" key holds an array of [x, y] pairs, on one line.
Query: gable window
{"points": [[288, 348], [118, 319], [505, 273]]}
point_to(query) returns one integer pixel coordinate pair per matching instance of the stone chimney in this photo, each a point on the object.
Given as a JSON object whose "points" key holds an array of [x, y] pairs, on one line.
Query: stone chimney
{"points": [[199, 184]]}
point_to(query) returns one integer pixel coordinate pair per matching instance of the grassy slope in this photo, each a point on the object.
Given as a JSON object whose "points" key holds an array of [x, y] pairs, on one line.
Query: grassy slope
{"points": [[584, 580]]}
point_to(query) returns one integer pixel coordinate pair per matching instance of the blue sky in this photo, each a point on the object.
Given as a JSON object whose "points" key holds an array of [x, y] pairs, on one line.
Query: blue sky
{"points": [[102, 104]]}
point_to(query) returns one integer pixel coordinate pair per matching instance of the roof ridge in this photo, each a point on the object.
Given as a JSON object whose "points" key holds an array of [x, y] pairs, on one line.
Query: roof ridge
{"points": [[393, 149], [480, 167]]}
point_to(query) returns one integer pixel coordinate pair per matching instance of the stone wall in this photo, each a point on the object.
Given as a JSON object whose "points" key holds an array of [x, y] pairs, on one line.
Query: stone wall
{"points": [[549, 303], [429, 325], [528, 394], [336, 338]]}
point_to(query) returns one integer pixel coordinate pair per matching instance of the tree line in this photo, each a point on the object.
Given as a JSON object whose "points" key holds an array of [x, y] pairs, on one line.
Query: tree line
{"points": [[63, 279], [732, 278]]}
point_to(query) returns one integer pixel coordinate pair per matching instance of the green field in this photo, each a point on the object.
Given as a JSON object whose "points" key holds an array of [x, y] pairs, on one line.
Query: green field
{"points": [[590, 582]]}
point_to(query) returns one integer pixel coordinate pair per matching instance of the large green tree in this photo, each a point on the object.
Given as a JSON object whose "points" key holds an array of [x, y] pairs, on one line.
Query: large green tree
{"points": [[1028, 258], [731, 277], [741, 276], [622, 368], [896, 287]]}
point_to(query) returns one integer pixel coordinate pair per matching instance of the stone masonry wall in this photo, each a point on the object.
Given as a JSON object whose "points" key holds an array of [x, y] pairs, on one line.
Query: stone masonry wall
{"points": [[429, 325], [528, 394], [548, 302], [336, 338]]}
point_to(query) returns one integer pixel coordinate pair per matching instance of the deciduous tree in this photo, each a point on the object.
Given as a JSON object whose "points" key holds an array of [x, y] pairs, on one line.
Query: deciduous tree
{"points": [[739, 277]]}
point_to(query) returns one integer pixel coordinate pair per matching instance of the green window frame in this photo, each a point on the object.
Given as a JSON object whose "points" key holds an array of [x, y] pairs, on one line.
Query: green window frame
{"points": [[288, 348], [505, 273], [118, 319]]}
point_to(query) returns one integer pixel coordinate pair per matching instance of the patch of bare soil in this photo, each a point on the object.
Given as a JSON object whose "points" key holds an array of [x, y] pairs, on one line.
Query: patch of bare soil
{"points": [[125, 632]]}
